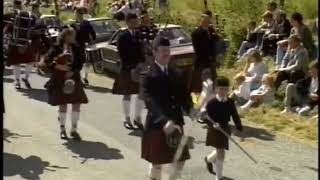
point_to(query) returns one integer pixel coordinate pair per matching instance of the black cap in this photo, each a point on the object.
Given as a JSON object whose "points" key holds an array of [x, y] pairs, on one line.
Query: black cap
{"points": [[222, 81], [160, 41], [207, 13]]}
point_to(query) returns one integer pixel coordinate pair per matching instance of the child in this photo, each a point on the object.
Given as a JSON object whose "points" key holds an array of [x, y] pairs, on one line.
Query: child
{"points": [[206, 93], [265, 93], [242, 94], [220, 109]]}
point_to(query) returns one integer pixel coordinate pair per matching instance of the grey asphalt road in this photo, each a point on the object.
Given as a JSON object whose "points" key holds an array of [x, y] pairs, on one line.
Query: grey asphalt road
{"points": [[33, 149]]}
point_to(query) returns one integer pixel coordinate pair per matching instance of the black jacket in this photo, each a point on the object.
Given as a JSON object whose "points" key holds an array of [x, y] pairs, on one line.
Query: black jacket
{"points": [[77, 54], [203, 45], [84, 32], [130, 50], [284, 29], [166, 97]]}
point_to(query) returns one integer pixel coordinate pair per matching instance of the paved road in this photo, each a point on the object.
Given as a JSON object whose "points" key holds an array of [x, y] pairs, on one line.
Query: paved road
{"points": [[33, 149]]}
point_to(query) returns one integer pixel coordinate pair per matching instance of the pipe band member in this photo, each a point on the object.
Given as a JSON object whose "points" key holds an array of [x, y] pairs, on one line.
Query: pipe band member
{"points": [[65, 85]]}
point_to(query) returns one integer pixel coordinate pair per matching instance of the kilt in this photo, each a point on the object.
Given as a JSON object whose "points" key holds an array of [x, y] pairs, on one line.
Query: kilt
{"points": [[56, 96], [124, 84], [156, 150], [217, 139], [196, 82], [30, 55]]}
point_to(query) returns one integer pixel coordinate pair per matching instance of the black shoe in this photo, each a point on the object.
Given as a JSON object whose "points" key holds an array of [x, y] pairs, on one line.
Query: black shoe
{"points": [[86, 82], [201, 121], [209, 166], [128, 125], [63, 135], [75, 135], [17, 85], [26, 82]]}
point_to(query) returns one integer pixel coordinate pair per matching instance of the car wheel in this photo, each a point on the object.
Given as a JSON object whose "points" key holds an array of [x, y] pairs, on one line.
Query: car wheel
{"points": [[98, 67]]}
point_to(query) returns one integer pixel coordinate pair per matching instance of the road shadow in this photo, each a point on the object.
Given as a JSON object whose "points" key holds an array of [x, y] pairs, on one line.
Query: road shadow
{"points": [[137, 133], [29, 168], [257, 133], [93, 150], [36, 94], [99, 89], [7, 134], [8, 80]]}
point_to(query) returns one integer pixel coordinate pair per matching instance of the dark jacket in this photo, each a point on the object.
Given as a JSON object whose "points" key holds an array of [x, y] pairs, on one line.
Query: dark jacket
{"points": [[303, 86], [130, 51], [84, 32], [284, 29], [221, 112], [203, 45], [165, 97], [77, 60]]}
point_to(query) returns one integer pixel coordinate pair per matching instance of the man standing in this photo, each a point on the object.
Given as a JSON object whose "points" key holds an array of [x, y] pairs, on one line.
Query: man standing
{"points": [[23, 46], [131, 56], [165, 97], [203, 44], [85, 34]]}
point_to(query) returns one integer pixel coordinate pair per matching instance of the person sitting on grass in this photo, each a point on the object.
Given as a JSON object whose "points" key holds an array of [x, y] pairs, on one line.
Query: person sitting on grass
{"points": [[254, 69], [242, 92], [250, 41], [263, 95], [304, 93]]}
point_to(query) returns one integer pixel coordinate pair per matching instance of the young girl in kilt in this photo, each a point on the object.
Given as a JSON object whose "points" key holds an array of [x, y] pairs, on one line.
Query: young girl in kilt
{"points": [[220, 109], [65, 86]]}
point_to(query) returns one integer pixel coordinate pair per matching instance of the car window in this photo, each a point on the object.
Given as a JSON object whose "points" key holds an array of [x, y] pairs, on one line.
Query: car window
{"points": [[177, 36], [115, 38], [103, 26]]}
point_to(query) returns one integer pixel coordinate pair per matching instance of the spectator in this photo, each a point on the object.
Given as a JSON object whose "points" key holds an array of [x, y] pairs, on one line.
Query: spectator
{"points": [[254, 69], [128, 8], [282, 31], [295, 63], [250, 42], [263, 95], [272, 7], [305, 34], [242, 92], [267, 26], [304, 93]]}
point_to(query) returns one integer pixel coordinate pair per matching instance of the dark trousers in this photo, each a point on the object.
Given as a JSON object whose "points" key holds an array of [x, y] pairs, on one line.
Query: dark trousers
{"points": [[292, 77]]}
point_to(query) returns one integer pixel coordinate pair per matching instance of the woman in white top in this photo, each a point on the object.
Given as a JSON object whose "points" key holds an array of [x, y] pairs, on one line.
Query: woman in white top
{"points": [[255, 69]]}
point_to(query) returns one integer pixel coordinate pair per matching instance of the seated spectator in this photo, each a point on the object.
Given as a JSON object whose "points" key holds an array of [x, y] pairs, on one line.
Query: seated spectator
{"points": [[304, 93], [241, 91], [281, 32], [294, 64], [128, 9], [250, 42], [273, 8], [263, 95], [299, 28], [267, 26], [254, 69]]}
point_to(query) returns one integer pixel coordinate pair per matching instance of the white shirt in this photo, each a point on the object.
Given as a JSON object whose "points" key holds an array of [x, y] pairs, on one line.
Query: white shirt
{"points": [[244, 90], [162, 67], [126, 10], [257, 70], [314, 85]]}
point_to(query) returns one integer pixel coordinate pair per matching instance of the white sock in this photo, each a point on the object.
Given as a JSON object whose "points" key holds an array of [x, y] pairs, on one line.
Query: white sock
{"points": [[219, 167], [155, 171], [27, 70], [212, 156], [75, 116], [126, 107], [62, 118], [138, 109], [17, 71]]}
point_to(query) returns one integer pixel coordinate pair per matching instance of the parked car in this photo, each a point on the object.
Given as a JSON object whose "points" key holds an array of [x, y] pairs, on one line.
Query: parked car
{"points": [[105, 54]]}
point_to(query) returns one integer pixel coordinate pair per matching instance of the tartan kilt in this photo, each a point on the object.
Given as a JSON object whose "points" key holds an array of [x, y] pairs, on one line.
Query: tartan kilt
{"points": [[124, 84], [156, 150], [56, 96], [30, 55], [196, 82], [217, 139]]}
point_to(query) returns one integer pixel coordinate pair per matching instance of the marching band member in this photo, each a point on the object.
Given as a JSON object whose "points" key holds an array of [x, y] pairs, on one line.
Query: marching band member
{"points": [[84, 34], [23, 45], [220, 109], [165, 96], [65, 59], [131, 56]]}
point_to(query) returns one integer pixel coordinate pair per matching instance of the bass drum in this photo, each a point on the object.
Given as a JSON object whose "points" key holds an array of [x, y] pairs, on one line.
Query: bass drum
{"points": [[94, 57]]}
